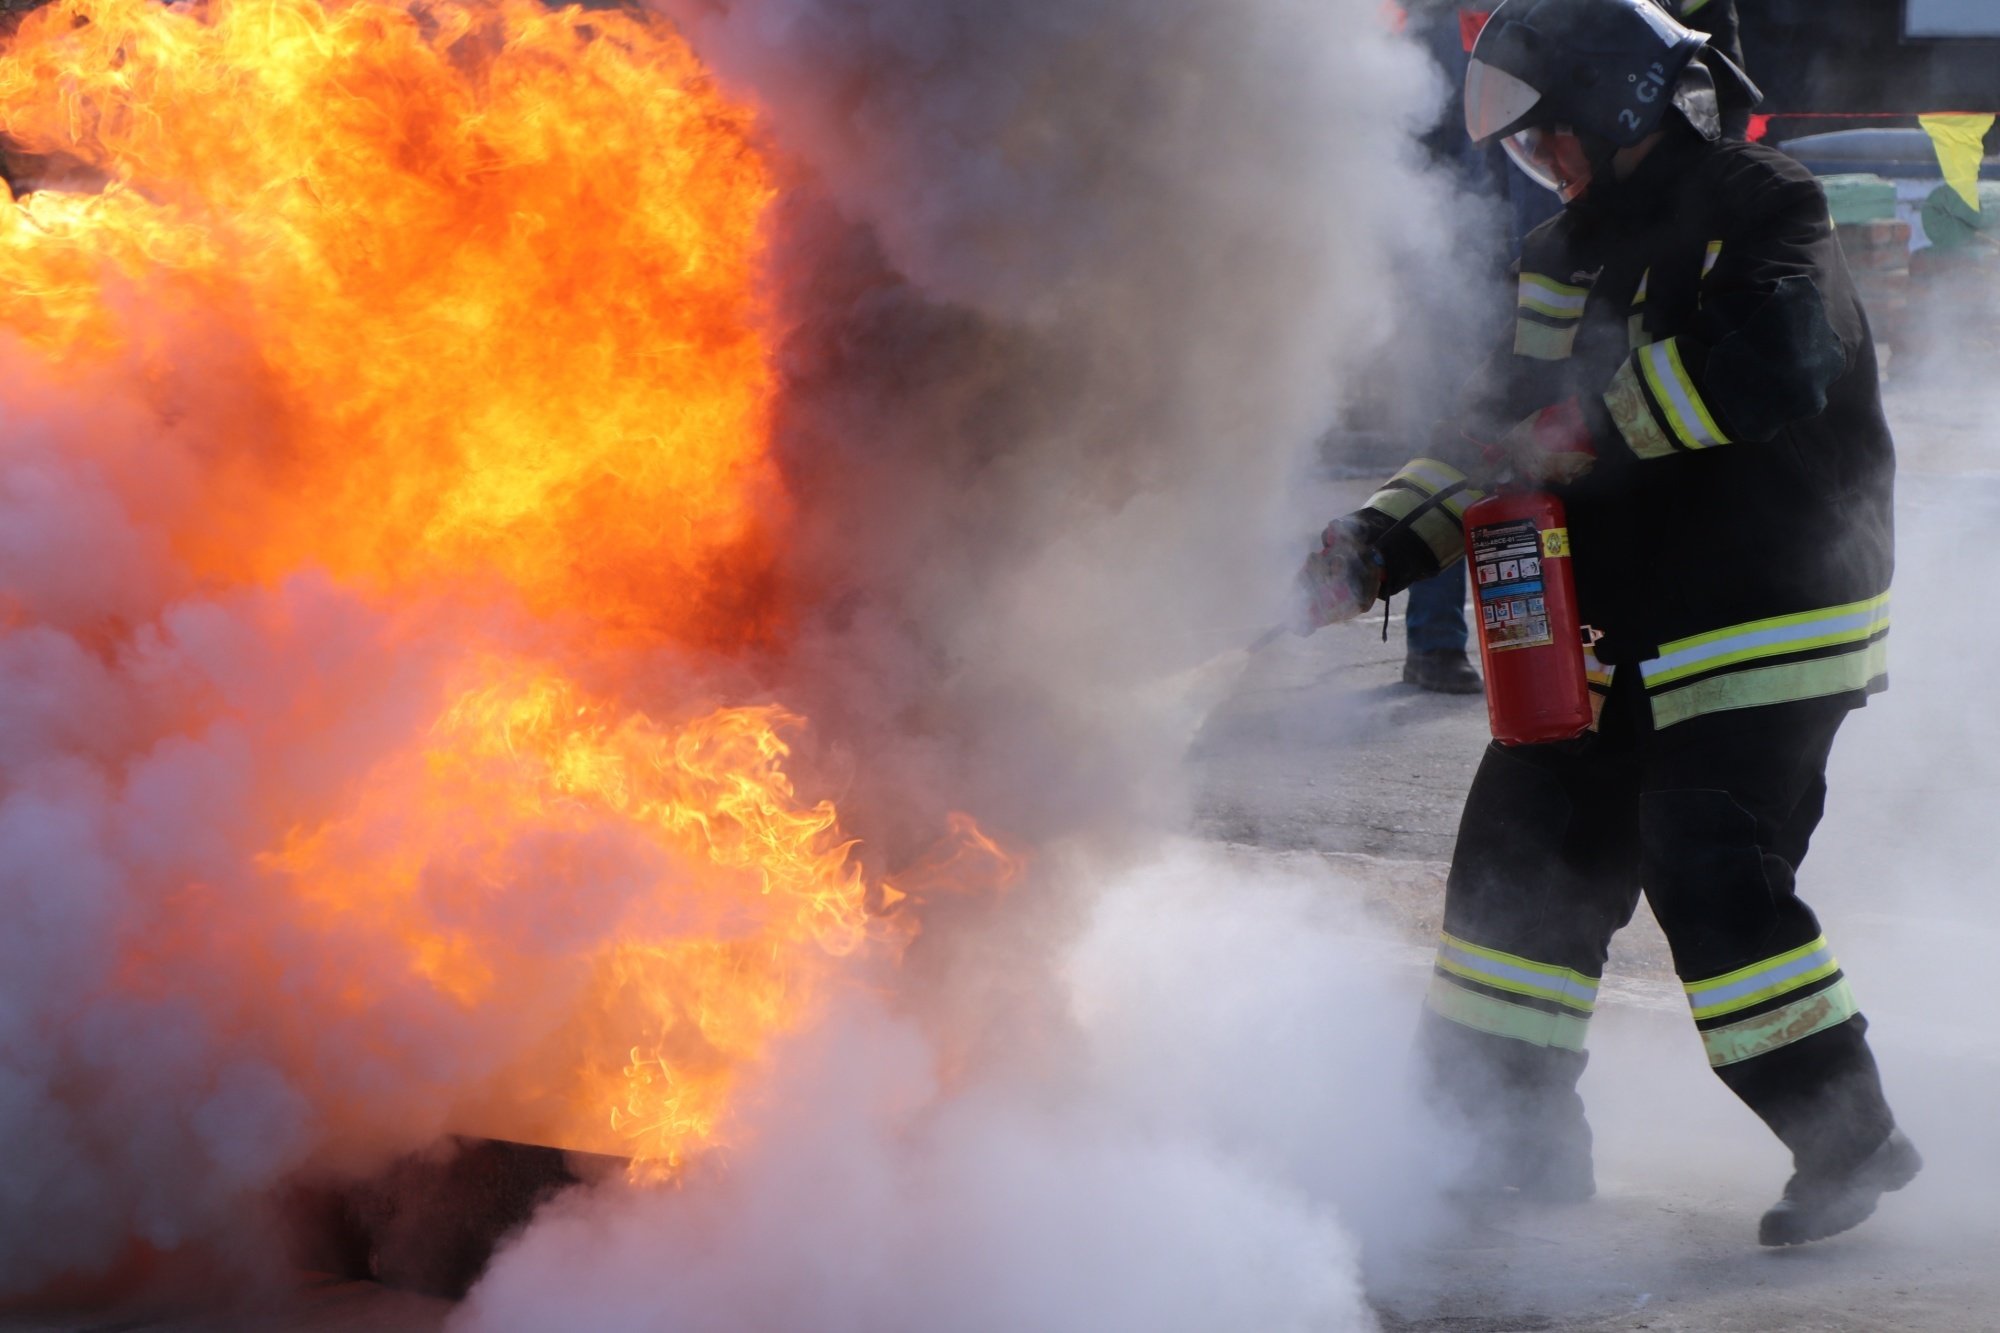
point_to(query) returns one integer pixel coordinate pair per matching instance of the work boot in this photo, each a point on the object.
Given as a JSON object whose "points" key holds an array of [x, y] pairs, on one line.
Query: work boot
{"points": [[1559, 1173], [1443, 672], [1542, 1168], [1549, 1169], [1818, 1204]]}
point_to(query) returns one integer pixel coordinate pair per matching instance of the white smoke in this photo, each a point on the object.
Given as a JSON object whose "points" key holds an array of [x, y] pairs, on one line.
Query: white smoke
{"points": [[1904, 865], [178, 1031], [1091, 280], [1178, 1156], [1072, 289]]}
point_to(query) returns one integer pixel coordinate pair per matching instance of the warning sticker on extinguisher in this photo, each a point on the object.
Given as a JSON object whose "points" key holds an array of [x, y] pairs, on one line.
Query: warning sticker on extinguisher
{"points": [[1507, 568]]}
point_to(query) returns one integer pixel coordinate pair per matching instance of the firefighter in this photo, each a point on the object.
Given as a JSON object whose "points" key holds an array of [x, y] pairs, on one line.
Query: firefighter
{"points": [[1689, 370]]}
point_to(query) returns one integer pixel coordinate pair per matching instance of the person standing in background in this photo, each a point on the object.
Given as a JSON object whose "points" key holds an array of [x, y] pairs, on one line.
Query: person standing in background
{"points": [[1435, 636]]}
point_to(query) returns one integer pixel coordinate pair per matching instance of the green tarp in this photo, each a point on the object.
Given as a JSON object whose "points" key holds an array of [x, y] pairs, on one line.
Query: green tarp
{"points": [[1952, 225], [1859, 198]]}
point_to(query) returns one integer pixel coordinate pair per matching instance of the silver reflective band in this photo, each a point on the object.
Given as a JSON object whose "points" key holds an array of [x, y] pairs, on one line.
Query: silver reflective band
{"points": [[1546, 296], [1520, 975], [1853, 623], [1741, 989], [1686, 413]]}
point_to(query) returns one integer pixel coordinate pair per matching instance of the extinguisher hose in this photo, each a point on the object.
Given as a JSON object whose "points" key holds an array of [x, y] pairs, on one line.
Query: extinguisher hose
{"points": [[1430, 502]]}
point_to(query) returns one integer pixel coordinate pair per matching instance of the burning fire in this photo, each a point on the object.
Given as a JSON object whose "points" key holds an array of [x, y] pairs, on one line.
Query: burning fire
{"points": [[457, 305], [746, 897], [491, 271]]}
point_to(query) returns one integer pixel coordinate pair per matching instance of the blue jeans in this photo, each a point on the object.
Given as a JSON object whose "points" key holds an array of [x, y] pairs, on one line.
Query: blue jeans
{"points": [[1434, 617]]}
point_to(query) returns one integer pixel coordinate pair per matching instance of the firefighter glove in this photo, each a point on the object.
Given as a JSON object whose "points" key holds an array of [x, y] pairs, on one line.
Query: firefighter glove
{"points": [[1553, 445], [1339, 581]]}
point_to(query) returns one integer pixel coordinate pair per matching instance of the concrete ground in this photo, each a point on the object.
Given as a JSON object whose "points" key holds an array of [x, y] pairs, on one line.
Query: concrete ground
{"points": [[1319, 751]]}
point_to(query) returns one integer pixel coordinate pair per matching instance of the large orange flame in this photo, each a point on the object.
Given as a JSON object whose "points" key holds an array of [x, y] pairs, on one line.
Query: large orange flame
{"points": [[714, 904], [458, 302], [492, 269]]}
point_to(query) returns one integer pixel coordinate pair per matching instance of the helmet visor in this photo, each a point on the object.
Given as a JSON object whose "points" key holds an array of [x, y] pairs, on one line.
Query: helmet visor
{"points": [[1534, 152], [1495, 100]]}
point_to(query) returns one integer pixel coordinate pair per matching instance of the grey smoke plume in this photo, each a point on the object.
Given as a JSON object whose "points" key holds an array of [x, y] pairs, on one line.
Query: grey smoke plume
{"points": [[1089, 281], [1070, 289], [1178, 1165], [1073, 289]]}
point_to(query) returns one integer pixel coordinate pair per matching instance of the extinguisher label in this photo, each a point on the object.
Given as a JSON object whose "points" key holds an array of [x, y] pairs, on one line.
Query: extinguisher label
{"points": [[1507, 567]]}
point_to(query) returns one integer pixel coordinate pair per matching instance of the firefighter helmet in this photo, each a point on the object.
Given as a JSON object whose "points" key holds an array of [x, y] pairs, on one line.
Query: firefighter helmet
{"points": [[1607, 70]]}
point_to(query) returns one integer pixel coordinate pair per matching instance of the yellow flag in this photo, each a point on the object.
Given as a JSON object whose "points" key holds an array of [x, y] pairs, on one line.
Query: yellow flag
{"points": [[1960, 143]]}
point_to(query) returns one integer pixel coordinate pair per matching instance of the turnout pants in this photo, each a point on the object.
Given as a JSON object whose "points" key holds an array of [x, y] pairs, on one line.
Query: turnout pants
{"points": [[1710, 818]]}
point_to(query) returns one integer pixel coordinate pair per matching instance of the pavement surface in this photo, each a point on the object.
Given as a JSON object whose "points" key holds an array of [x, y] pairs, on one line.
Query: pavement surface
{"points": [[1319, 752]]}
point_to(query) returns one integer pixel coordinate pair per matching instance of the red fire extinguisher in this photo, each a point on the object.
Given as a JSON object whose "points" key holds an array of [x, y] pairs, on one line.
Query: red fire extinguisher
{"points": [[1530, 635]]}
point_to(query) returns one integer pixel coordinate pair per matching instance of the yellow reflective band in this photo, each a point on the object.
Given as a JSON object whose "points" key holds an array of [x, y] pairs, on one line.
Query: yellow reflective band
{"points": [[1675, 393], [1459, 503], [1438, 530], [1429, 476], [1594, 670], [1635, 421], [1443, 534], [1781, 1027], [1773, 685], [1778, 636], [1523, 976], [1485, 1013], [1539, 342], [1761, 981], [1708, 260], [1548, 297], [1692, 6], [1645, 280]]}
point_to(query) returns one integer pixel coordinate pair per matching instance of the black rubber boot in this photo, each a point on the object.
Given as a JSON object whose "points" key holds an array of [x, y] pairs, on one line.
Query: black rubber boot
{"points": [[1825, 1203], [1445, 672], [1516, 1106], [1549, 1168]]}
